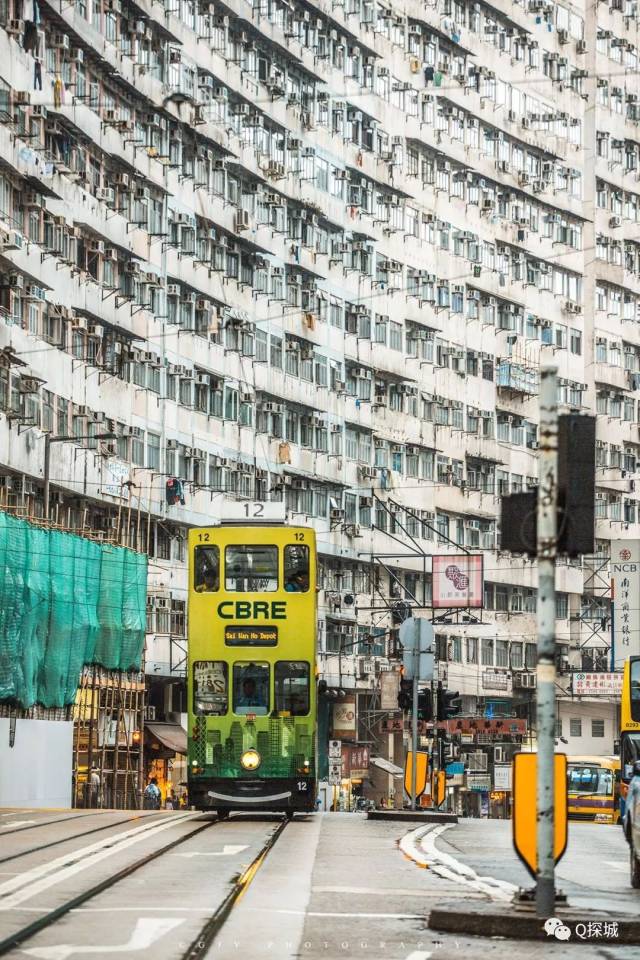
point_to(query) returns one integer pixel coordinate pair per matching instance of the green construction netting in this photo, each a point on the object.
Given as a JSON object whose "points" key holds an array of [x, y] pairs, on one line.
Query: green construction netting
{"points": [[64, 602]]}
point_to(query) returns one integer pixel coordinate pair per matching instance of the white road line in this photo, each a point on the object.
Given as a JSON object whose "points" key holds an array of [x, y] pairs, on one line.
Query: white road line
{"points": [[17, 823], [28, 884], [419, 955], [145, 933], [229, 850], [420, 846], [616, 865], [364, 916]]}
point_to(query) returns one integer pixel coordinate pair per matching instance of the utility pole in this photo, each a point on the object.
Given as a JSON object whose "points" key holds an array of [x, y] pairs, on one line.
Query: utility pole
{"points": [[414, 714], [546, 670]]}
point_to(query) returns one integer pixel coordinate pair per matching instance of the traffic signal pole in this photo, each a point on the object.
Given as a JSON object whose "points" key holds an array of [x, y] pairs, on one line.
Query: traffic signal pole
{"points": [[547, 535], [414, 715]]}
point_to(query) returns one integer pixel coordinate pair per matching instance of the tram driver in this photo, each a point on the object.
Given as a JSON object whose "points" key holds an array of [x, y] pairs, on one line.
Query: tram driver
{"points": [[250, 696], [208, 570]]}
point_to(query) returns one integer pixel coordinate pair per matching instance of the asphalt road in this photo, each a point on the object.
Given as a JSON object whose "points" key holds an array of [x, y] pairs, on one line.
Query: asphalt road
{"points": [[332, 886]]}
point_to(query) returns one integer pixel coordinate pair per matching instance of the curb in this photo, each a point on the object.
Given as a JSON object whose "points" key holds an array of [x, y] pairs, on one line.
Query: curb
{"points": [[411, 816], [521, 923]]}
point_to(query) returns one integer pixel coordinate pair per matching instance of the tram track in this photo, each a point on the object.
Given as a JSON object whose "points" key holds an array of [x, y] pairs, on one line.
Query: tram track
{"points": [[47, 823], [210, 928], [216, 921], [15, 939], [74, 836]]}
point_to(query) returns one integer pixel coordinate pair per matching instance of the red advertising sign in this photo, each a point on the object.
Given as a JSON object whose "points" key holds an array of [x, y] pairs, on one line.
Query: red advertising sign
{"points": [[457, 581]]}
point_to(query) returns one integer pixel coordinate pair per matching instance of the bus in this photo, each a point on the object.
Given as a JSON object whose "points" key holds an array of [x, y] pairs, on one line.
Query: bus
{"points": [[252, 668], [593, 786]]}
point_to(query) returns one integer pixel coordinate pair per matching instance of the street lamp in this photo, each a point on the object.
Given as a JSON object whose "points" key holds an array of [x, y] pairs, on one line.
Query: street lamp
{"points": [[48, 440]]}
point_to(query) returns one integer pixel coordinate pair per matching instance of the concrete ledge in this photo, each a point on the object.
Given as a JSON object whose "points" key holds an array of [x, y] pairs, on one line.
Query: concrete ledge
{"points": [[519, 922], [411, 816]]}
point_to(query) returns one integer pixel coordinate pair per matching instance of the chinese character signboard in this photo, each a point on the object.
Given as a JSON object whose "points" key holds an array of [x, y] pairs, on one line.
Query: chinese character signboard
{"points": [[344, 719], [457, 581], [597, 684], [114, 475], [389, 683], [502, 776], [355, 762], [625, 574]]}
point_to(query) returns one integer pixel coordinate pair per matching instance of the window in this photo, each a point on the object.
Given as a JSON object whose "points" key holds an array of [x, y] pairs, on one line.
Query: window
{"points": [[590, 779], [487, 653], [292, 687], [472, 649], [252, 569], [597, 728], [206, 569], [296, 568], [251, 684], [210, 688], [502, 653], [530, 656], [516, 656], [575, 727]]}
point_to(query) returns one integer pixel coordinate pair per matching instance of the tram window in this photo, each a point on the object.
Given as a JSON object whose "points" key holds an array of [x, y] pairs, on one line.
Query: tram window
{"points": [[251, 569], [210, 688], [634, 671], [251, 688], [296, 568], [292, 687], [207, 569]]}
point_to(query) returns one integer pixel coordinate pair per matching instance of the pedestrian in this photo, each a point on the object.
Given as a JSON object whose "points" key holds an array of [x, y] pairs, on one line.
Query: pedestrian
{"points": [[94, 788], [152, 795]]}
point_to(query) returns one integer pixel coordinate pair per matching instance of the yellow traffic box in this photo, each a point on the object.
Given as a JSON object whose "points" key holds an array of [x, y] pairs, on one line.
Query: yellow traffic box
{"points": [[524, 816], [438, 787], [422, 771]]}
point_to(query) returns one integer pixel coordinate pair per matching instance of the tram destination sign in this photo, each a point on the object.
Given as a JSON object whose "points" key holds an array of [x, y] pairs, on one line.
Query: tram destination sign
{"points": [[237, 636]]}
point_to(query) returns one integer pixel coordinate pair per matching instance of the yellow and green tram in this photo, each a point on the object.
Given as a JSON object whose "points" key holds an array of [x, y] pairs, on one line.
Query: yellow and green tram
{"points": [[252, 668]]}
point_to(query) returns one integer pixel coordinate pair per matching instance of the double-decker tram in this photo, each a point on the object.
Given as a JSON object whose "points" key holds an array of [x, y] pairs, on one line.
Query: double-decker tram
{"points": [[251, 667]]}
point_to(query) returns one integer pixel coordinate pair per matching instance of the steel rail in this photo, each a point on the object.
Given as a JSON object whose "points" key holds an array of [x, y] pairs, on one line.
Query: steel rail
{"points": [[74, 836], [17, 938], [213, 925]]}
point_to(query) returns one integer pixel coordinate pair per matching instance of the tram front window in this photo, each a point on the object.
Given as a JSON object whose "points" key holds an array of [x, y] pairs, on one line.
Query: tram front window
{"points": [[207, 570], [210, 688], [292, 687], [251, 688], [251, 569], [296, 568]]}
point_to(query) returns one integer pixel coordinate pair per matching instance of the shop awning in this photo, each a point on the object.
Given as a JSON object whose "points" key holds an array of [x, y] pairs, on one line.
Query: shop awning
{"points": [[387, 766], [171, 735]]}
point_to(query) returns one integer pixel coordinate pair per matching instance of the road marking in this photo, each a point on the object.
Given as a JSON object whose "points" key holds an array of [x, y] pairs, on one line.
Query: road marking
{"points": [[229, 850], [17, 823], [616, 865], [364, 916], [419, 955], [419, 846], [146, 932], [380, 892], [28, 884]]}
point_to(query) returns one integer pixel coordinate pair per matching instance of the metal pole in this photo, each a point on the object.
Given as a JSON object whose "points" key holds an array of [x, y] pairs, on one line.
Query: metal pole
{"points": [[613, 627], [47, 468], [414, 715], [546, 670]]}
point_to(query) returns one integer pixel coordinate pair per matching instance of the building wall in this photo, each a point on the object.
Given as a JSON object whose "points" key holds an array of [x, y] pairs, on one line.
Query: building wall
{"points": [[35, 770], [591, 717], [319, 255]]}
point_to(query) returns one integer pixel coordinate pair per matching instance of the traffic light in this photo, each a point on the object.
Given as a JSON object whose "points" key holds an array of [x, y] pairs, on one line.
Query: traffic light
{"points": [[405, 695], [449, 703], [425, 705], [576, 495]]}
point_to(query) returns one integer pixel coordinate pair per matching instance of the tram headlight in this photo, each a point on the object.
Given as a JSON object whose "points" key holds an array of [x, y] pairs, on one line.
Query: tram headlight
{"points": [[250, 760]]}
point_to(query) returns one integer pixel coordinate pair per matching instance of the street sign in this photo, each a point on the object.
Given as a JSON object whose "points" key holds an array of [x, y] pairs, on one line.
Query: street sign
{"points": [[422, 769], [335, 749], [335, 773], [524, 816], [417, 632]]}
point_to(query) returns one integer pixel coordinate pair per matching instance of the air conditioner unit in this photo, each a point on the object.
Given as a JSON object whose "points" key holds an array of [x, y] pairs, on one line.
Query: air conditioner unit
{"points": [[615, 221], [242, 220], [336, 513]]}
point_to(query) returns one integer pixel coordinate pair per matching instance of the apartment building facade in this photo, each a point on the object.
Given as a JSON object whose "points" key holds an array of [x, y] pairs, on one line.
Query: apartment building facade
{"points": [[315, 252]]}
